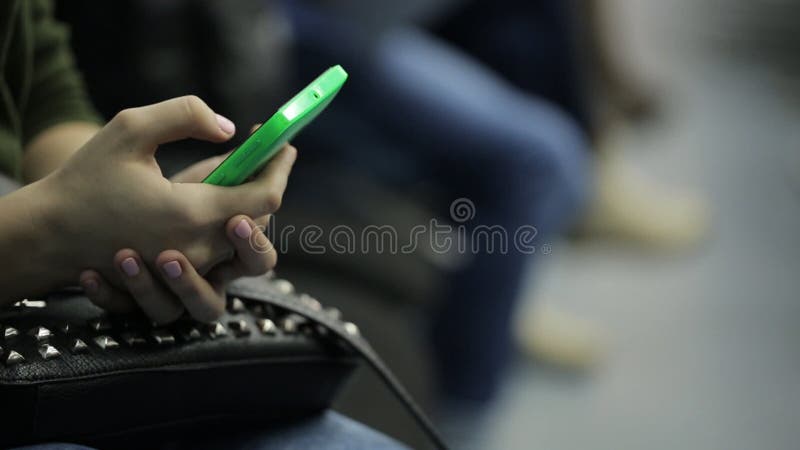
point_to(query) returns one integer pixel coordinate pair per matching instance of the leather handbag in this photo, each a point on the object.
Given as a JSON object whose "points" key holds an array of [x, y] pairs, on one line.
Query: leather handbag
{"points": [[71, 373]]}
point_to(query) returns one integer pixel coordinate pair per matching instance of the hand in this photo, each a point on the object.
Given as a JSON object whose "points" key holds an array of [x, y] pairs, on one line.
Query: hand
{"points": [[198, 171], [174, 285], [112, 194]]}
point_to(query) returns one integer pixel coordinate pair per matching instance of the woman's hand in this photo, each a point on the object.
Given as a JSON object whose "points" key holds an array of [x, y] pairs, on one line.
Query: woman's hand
{"points": [[174, 285], [112, 195]]}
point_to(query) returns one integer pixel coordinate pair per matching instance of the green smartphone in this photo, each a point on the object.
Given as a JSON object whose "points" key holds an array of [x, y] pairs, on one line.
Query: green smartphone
{"points": [[250, 157]]}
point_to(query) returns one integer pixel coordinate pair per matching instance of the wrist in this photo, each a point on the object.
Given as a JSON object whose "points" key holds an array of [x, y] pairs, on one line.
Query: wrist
{"points": [[36, 258], [50, 213]]}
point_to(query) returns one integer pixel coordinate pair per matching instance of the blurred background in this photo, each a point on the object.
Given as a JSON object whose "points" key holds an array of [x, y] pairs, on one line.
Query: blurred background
{"points": [[654, 144]]}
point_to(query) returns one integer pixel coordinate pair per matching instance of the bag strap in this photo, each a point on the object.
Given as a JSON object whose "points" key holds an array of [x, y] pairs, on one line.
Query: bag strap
{"points": [[349, 333]]}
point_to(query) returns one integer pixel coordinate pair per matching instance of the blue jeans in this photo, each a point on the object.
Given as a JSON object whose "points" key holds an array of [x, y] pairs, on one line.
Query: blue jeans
{"points": [[328, 431], [519, 159]]}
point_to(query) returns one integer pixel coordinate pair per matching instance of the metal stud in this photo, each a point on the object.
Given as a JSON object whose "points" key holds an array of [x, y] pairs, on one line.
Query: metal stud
{"points": [[237, 305], [285, 287], [333, 313], [66, 328], [1, 351], [133, 339], [106, 342], [14, 358], [192, 334], [311, 302], [216, 330], [266, 326], [162, 337], [10, 332], [291, 323], [49, 352], [239, 327], [78, 346], [99, 324], [350, 328], [41, 334], [33, 303]]}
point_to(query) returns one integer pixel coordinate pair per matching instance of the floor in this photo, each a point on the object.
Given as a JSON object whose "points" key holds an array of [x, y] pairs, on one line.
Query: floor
{"points": [[703, 346]]}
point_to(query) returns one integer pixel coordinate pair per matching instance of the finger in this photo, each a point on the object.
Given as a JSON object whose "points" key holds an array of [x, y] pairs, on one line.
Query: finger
{"points": [[155, 300], [171, 120], [198, 171], [263, 222], [255, 254], [264, 194], [105, 296], [203, 302]]}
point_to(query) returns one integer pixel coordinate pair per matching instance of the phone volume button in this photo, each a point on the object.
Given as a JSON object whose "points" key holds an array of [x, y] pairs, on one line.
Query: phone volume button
{"points": [[247, 152]]}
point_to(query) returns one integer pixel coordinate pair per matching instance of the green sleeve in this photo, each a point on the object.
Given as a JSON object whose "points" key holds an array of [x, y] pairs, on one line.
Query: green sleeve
{"points": [[57, 93]]}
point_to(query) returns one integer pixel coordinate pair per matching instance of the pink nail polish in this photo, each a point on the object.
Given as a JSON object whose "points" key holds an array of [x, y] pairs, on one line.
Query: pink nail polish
{"points": [[90, 286], [130, 267], [173, 269], [243, 229], [226, 125]]}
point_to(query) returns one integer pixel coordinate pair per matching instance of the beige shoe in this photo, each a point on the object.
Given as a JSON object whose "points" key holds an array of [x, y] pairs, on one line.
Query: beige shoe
{"points": [[632, 208], [560, 340]]}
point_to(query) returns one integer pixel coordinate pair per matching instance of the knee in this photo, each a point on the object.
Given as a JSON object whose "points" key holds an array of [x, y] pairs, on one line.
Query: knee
{"points": [[551, 171], [568, 167]]}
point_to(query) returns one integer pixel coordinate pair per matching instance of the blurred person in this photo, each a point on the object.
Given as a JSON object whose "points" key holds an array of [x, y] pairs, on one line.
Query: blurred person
{"points": [[562, 52], [164, 246], [518, 158]]}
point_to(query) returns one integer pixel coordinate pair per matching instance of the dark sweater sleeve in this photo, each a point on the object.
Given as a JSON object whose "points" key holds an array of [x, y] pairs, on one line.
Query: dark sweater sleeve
{"points": [[57, 93]]}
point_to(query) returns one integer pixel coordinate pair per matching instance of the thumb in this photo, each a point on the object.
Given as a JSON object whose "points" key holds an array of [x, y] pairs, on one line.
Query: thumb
{"points": [[179, 118]]}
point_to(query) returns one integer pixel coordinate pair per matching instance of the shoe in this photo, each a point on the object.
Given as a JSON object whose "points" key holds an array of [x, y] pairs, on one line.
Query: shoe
{"points": [[559, 340], [630, 207]]}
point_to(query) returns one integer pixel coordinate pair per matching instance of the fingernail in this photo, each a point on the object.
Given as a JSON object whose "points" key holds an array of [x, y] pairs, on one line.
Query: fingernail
{"points": [[243, 229], [172, 269], [130, 267], [225, 125], [90, 286]]}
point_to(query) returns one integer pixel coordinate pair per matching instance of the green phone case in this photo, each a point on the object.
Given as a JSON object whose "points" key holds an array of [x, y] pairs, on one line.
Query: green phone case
{"points": [[291, 118]]}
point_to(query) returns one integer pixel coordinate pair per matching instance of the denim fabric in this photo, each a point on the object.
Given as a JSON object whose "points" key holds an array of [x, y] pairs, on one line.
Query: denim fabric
{"points": [[330, 431], [519, 159]]}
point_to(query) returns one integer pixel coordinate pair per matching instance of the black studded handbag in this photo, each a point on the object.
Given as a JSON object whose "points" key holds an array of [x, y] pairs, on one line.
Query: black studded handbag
{"points": [[70, 373]]}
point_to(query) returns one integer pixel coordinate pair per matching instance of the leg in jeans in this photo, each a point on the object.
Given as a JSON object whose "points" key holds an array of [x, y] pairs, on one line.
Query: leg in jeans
{"points": [[532, 43], [329, 431], [519, 159]]}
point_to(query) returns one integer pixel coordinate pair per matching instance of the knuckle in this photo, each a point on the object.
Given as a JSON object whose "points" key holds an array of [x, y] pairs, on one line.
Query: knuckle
{"points": [[193, 107], [272, 201], [264, 260], [127, 121], [271, 261]]}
